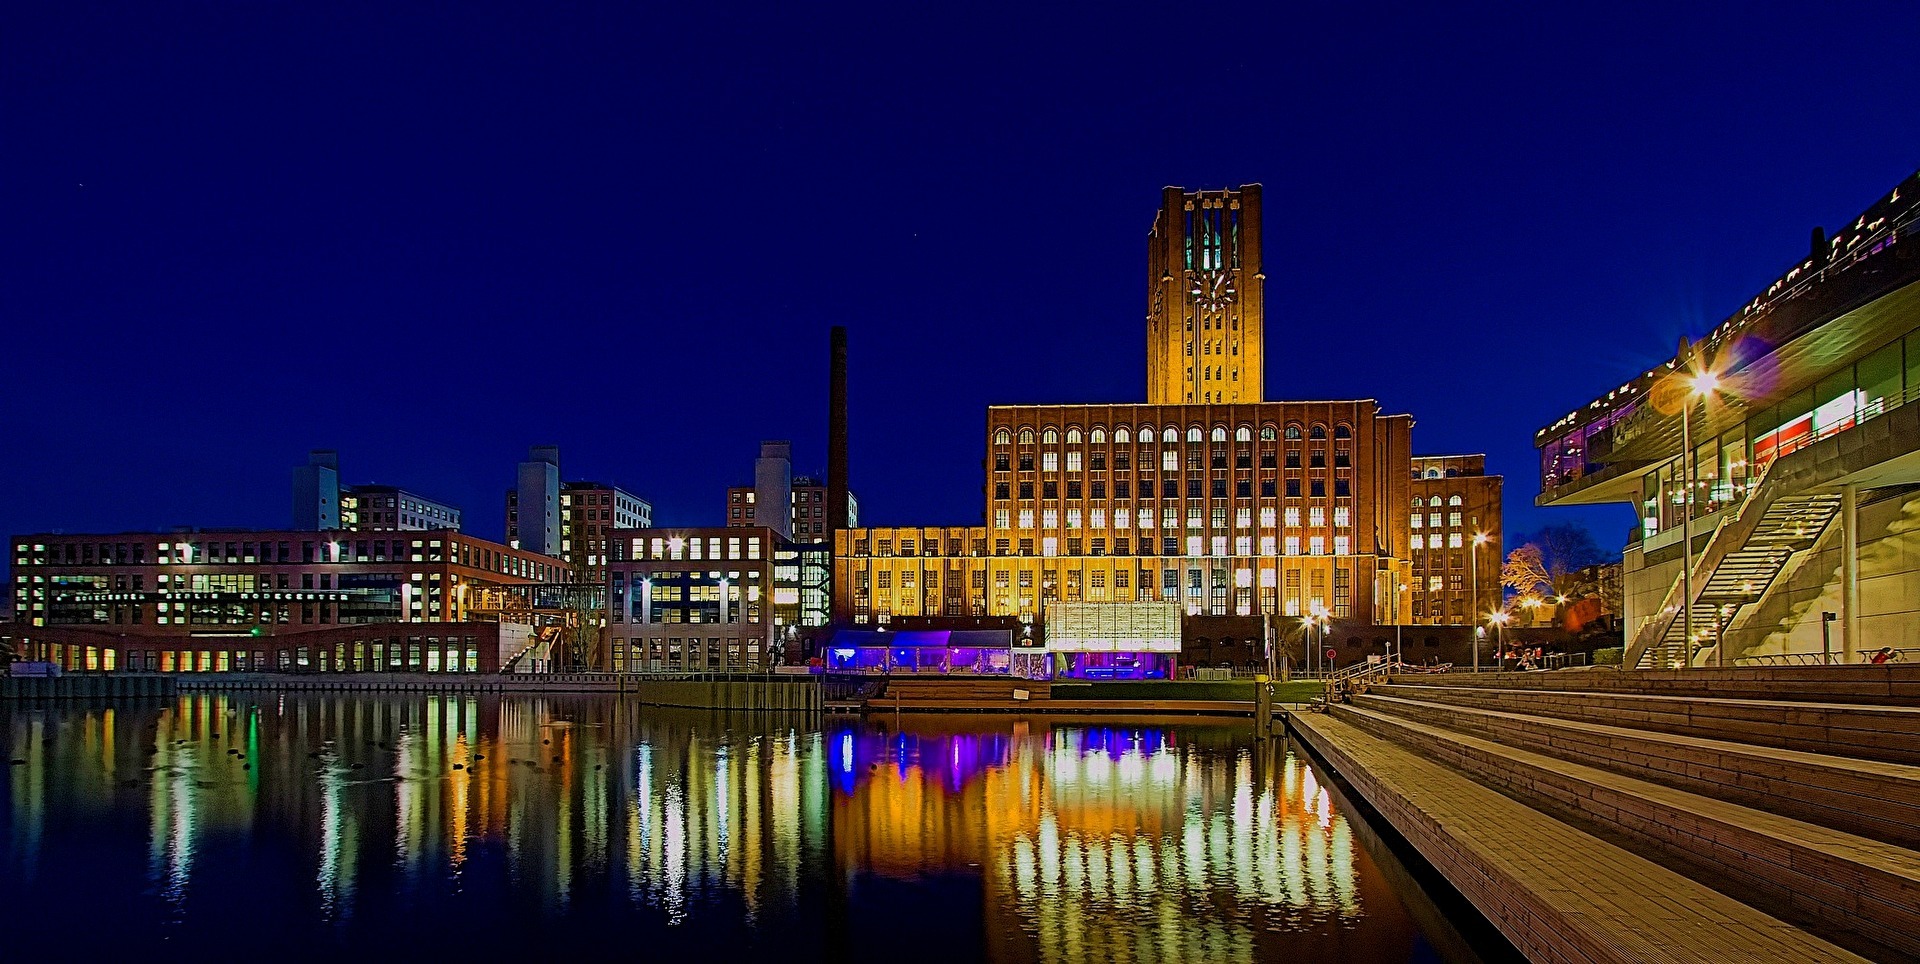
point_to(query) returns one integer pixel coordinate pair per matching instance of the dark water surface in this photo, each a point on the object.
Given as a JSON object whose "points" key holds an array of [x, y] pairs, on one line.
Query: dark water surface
{"points": [[496, 827]]}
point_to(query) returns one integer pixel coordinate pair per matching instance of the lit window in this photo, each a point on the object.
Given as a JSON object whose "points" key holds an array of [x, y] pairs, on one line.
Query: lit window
{"points": [[1341, 517], [1049, 518], [1073, 461], [1049, 546], [1453, 540], [1026, 518], [1317, 546], [1049, 461], [1266, 546], [1340, 545], [1120, 518], [1293, 545], [1073, 518]]}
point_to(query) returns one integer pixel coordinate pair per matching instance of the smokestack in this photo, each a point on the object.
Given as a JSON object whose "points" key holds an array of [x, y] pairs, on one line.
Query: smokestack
{"points": [[837, 433]]}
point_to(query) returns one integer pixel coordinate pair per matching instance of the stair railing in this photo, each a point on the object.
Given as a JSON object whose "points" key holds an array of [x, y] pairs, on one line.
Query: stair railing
{"points": [[1731, 534]]}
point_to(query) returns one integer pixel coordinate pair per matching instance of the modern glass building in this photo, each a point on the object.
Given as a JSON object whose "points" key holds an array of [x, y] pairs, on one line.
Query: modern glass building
{"points": [[1773, 464]]}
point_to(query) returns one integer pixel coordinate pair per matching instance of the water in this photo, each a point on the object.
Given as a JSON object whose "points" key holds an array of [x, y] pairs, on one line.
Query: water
{"points": [[309, 826]]}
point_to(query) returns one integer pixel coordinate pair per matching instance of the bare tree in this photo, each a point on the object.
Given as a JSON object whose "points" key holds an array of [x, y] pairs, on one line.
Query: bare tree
{"points": [[1562, 552], [1525, 572]]}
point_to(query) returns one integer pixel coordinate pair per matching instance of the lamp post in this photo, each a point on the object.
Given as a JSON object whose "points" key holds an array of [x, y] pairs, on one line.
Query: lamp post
{"points": [[1473, 604], [1700, 385]]}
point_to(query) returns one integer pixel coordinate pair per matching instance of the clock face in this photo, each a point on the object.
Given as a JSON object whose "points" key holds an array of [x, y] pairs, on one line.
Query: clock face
{"points": [[1211, 289]]}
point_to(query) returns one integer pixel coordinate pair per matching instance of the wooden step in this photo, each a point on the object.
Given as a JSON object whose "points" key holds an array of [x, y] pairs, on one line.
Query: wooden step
{"points": [[1556, 892], [1855, 891], [1887, 733], [1865, 797], [1889, 685]]}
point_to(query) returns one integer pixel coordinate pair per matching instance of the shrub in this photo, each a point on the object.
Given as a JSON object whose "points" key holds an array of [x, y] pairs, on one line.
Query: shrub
{"points": [[1610, 656]]}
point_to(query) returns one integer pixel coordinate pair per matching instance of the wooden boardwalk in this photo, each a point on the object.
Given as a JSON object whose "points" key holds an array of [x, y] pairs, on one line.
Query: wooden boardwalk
{"points": [[1556, 892]]}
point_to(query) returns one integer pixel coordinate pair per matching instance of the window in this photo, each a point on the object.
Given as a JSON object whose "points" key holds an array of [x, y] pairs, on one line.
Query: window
{"points": [[1342, 431], [1002, 437], [1073, 436], [1000, 491], [1317, 433], [1050, 489], [1121, 436], [1026, 436], [1266, 433], [1049, 437], [1293, 488], [1073, 489], [1049, 461], [1318, 489], [1292, 544]]}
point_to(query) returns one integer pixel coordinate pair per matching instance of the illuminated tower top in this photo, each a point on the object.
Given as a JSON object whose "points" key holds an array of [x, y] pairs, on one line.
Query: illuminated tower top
{"points": [[1205, 298]]}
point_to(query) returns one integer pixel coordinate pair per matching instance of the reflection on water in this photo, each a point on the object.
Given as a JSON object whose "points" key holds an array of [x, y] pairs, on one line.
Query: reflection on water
{"points": [[495, 825]]}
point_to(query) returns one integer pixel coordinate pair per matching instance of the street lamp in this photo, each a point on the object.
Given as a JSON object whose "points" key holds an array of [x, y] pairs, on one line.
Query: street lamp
{"points": [[1699, 386], [1499, 621], [1473, 580]]}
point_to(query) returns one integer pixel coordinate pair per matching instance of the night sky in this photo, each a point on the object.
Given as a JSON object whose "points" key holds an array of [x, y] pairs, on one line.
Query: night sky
{"points": [[232, 232]]}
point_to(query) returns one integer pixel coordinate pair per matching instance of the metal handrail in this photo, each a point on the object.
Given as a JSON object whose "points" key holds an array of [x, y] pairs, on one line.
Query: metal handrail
{"points": [[1656, 626]]}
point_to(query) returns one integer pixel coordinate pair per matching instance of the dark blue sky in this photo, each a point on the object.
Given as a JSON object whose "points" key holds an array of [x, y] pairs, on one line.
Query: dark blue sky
{"points": [[233, 232]]}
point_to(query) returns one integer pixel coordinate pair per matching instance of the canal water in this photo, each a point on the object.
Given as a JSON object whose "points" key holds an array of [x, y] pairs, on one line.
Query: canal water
{"points": [[305, 826]]}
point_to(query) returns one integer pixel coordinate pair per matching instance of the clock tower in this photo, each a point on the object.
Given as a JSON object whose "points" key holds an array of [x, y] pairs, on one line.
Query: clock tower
{"points": [[1205, 298]]}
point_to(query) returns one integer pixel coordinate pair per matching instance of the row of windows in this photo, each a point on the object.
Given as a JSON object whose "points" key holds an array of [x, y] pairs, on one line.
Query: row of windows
{"points": [[1170, 460], [1196, 488], [1123, 436]]}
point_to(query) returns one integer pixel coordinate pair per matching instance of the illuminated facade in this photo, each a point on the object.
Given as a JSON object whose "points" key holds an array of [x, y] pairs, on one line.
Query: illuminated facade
{"points": [[1282, 508], [1206, 298], [1797, 487], [1249, 515], [214, 600], [710, 599], [1454, 530]]}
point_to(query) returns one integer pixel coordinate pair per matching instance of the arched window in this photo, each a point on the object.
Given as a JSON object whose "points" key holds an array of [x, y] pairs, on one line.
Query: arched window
{"points": [[1293, 433], [1433, 473], [1243, 434], [1318, 433], [1073, 436], [1454, 501], [1418, 503], [1121, 436], [1434, 502], [1266, 433], [1342, 431], [1170, 436], [1453, 473], [1097, 437], [1193, 433], [1026, 436], [1219, 434], [1049, 437], [1002, 437]]}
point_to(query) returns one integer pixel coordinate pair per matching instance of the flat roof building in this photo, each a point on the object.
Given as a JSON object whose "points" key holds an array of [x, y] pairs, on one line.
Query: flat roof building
{"points": [[321, 502], [218, 599], [1778, 454]]}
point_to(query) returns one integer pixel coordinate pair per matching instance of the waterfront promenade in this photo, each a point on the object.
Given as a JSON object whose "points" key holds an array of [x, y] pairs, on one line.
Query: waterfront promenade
{"points": [[1688, 815]]}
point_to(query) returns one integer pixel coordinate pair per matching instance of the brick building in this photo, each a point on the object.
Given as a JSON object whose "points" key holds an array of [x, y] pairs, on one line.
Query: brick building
{"points": [[710, 598], [201, 600], [1454, 530], [1251, 515]]}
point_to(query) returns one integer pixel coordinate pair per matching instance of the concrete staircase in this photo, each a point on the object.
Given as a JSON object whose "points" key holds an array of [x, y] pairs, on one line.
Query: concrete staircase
{"points": [[1797, 795]]}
